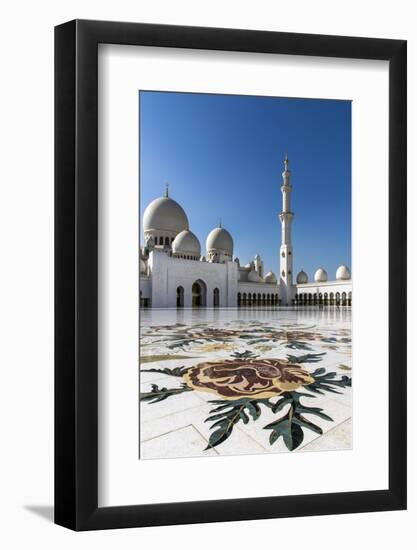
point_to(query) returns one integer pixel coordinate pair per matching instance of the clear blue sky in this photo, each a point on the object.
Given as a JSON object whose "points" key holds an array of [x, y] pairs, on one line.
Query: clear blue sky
{"points": [[222, 156]]}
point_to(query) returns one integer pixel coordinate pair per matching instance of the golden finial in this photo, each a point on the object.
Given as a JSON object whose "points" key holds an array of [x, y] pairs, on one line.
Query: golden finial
{"points": [[166, 190], [286, 161]]}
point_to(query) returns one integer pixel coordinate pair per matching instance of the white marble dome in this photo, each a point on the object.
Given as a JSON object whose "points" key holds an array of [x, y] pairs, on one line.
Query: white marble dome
{"points": [[142, 266], [166, 215], [343, 273], [220, 240], [302, 278], [270, 277], [320, 276], [254, 277], [186, 244]]}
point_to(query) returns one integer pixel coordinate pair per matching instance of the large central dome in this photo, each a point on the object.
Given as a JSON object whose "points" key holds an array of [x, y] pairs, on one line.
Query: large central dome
{"points": [[164, 215]]}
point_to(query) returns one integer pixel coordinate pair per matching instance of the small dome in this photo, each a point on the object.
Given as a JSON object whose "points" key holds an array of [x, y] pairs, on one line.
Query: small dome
{"points": [[343, 273], [186, 243], [320, 276], [254, 277], [302, 278], [142, 266], [164, 214], [270, 277], [220, 240]]}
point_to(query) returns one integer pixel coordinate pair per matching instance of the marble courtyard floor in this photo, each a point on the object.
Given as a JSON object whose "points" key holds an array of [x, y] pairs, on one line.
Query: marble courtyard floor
{"points": [[244, 381]]}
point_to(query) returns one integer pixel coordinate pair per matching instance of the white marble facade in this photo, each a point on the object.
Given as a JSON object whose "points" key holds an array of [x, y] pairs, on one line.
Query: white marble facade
{"points": [[175, 274]]}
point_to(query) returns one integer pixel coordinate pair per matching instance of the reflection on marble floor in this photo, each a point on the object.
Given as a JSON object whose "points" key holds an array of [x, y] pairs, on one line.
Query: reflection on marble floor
{"points": [[244, 381]]}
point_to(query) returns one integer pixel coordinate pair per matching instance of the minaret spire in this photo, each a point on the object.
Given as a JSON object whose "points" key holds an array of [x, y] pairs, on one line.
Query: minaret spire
{"points": [[286, 255]]}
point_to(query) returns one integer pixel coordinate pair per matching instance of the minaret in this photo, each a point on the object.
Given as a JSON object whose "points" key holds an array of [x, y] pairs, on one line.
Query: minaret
{"points": [[286, 217]]}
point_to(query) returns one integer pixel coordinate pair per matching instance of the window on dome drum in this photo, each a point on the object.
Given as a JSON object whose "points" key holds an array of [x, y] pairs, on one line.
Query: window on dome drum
{"points": [[180, 296], [161, 240], [167, 240]]}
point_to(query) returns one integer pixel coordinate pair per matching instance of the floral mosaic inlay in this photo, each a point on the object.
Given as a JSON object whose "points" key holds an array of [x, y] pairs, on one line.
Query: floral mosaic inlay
{"points": [[266, 383], [254, 378]]}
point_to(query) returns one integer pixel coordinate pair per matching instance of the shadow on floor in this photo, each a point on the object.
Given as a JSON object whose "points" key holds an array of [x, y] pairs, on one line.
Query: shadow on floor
{"points": [[45, 512]]}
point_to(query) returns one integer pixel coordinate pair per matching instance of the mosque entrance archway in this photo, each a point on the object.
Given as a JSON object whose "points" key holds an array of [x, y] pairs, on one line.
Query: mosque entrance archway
{"points": [[216, 297], [180, 296], [199, 293]]}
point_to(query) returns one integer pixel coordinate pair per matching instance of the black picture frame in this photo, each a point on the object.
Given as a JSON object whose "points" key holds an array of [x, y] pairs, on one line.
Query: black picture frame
{"points": [[76, 272]]}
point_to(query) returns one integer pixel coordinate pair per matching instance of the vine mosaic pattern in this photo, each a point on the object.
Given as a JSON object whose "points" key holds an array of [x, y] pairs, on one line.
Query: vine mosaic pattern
{"points": [[238, 383]]}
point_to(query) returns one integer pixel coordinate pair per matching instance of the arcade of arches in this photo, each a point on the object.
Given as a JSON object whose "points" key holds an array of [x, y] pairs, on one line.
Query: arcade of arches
{"points": [[304, 299], [257, 299], [323, 299], [199, 298]]}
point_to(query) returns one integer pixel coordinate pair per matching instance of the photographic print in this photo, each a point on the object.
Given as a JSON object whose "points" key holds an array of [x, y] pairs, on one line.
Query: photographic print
{"points": [[245, 281]]}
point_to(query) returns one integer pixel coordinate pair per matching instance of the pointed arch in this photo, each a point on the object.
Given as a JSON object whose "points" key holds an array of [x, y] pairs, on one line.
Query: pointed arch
{"points": [[199, 293]]}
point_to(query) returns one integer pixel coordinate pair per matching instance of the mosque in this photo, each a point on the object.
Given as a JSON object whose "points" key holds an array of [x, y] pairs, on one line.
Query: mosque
{"points": [[174, 274]]}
